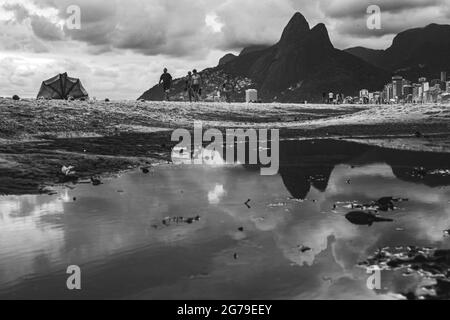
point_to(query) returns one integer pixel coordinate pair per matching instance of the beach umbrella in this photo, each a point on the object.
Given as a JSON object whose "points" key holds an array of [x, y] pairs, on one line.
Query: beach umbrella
{"points": [[62, 87]]}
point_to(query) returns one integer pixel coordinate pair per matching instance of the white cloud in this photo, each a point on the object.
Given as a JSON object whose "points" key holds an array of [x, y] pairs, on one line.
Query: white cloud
{"points": [[123, 45]]}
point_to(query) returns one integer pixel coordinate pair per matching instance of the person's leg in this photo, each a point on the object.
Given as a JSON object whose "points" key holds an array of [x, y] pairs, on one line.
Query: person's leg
{"points": [[196, 93]]}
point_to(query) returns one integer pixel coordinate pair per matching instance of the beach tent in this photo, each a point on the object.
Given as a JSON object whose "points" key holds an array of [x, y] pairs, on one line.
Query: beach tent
{"points": [[62, 87]]}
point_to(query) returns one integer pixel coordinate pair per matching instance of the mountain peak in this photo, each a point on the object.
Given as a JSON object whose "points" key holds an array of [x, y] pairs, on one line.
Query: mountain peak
{"points": [[296, 27], [319, 34], [227, 58]]}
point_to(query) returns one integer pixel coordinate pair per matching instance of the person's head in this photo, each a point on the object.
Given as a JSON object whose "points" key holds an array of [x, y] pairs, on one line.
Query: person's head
{"points": [[189, 73], [165, 70], [195, 71]]}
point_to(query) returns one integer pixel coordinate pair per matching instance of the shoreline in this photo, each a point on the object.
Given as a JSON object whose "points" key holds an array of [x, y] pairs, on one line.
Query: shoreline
{"points": [[104, 139]]}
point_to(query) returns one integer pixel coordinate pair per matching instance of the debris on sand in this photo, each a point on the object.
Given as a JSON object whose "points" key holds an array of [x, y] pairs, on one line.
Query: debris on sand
{"points": [[107, 100], [419, 172], [429, 263], [16, 97], [304, 249], [145, 170], [68, 174], [68, 171], [277, 205], [247, 203], [383, 204], [362, 218], [241, 229], [418, 134], [440, 172], [179, 220], [447, 233], [96, 181], [236, 256], [388, 203]]}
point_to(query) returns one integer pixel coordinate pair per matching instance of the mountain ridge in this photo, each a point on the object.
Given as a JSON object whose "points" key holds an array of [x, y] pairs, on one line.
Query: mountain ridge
{"points": [[301, 66], [413, 53]]}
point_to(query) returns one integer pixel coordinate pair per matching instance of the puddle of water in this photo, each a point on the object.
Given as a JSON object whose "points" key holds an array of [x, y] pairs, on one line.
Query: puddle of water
{"points": [[228, 232]]}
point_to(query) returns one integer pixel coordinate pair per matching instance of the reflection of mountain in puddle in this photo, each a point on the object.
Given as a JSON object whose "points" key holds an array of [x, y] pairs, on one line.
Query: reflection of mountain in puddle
{"points": [[109, 225], [310, 163], [367, 176]]}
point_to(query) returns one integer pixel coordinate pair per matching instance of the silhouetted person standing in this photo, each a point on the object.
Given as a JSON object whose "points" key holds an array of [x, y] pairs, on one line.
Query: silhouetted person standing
{"points": [[166, 80], [228, 88], [188, 87], [196, 85]]}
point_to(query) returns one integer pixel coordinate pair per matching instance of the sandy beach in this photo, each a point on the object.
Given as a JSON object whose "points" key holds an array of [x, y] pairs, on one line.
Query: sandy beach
{"points": [[37, 138]]}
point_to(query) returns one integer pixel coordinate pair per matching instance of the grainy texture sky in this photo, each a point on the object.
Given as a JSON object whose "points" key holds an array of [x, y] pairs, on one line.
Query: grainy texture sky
{"points": [[123, 45]]}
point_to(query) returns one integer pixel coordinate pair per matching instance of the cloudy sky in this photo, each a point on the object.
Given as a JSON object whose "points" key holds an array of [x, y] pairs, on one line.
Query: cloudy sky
{"points": [[122, 45]]}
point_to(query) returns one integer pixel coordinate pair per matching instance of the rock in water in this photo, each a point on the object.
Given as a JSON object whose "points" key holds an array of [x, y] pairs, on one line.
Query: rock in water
{"points": [[362, 218], [96, 181]]}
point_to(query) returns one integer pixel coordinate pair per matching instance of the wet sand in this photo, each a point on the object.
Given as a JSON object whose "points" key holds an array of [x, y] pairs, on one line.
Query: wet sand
{"points": [[37, 138]]}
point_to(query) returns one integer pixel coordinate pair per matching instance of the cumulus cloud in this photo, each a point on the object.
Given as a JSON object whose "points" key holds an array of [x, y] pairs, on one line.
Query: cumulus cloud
{"points": [[354, 8], [349, 19], [46, 30], [184, 28], [187, 34]]}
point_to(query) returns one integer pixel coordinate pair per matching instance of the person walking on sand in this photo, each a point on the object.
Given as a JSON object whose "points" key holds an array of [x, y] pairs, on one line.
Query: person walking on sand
{"points": [[188, 88], [166, 80], [196, 85], [228, 88]]}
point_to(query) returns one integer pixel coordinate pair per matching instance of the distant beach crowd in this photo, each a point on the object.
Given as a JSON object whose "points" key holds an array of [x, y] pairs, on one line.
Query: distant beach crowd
{"points": [[193, 84]]}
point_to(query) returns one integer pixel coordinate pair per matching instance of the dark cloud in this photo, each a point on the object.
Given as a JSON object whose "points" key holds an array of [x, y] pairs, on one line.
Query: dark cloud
{"points": [[178, 28], [357, 8], [41, 26]]}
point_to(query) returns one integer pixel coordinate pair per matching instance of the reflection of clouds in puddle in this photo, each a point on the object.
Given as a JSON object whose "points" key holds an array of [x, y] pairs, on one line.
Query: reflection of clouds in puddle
{"points": [[313, 234], [424, 216], [106, 224], [207, 157], [26, 235], [215, 195], [338, 182]]}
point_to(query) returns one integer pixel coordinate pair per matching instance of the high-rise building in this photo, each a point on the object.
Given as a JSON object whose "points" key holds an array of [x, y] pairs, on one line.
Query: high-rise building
{"points": [[444, 76], [408, 93], [417, 93], [388, 92], [397, 84], [425, 92]]}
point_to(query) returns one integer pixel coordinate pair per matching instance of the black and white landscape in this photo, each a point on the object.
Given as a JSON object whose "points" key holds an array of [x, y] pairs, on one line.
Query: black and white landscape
{"points": [[120, 182]]}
